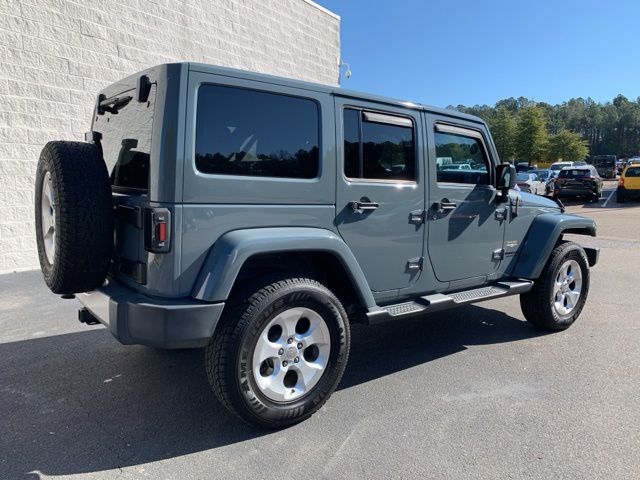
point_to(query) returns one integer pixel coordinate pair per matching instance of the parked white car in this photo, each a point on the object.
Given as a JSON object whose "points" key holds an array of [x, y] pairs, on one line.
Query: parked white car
{"points": [[530, 183]]}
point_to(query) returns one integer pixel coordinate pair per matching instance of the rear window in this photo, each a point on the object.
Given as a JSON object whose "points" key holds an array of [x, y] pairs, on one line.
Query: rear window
{"points": [[604, 161], [125, 130], [252, 133], [633, 172], [575, 173]]}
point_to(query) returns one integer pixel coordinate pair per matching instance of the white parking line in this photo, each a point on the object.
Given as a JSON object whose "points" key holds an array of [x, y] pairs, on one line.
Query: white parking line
{"points": [[608, 198]]}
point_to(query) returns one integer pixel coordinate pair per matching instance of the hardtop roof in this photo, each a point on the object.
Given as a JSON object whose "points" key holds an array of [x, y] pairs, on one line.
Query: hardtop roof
{"points": [[332, 90]]}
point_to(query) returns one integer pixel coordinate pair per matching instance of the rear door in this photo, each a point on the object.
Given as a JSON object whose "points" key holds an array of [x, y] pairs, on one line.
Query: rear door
{"points": [[380, 190], [465, 223]]}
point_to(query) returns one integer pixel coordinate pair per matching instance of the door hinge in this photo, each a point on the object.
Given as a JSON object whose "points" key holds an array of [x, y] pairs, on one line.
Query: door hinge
{"points": [[414, 264], [498, 254], [417, 216]]}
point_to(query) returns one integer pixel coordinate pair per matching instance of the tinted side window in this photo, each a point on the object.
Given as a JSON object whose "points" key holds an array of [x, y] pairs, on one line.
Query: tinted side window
{"points": [[378, 146], [460, 159], [352, 143], [246, 132]]}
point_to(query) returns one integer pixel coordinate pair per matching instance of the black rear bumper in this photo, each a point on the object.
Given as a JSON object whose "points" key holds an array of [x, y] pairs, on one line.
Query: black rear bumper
{"points": [[164, 323]]}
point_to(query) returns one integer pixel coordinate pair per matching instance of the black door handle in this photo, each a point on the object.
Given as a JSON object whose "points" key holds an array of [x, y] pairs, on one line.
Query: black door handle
{"points": [[444, 206], [361, 206]]}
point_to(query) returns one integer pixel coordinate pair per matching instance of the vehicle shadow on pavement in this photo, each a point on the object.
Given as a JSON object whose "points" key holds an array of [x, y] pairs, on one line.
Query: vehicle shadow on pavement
{"points": [[384, 349], [81, 402]]}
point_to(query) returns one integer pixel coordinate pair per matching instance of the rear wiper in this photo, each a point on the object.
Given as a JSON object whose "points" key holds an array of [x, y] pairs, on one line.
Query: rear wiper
{"points": [[112, 104]]}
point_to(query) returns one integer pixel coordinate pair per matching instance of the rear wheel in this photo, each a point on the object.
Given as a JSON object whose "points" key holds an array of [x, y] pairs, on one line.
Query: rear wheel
{"points": [[620, 198], [280, 352], [559, 294]]}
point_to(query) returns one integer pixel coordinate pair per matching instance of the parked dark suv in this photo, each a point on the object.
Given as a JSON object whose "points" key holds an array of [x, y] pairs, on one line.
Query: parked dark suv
{"points": [[582, 181], [259, 217]]}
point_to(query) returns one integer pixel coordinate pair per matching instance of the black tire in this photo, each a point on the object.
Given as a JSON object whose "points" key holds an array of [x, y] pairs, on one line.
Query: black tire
{"points": [[229, 354], [83, 217], [620, 198], [538, 303]]}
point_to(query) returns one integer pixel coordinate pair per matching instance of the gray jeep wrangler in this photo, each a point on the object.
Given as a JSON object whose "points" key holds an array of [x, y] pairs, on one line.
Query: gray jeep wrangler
{"points": [[258, 217]]}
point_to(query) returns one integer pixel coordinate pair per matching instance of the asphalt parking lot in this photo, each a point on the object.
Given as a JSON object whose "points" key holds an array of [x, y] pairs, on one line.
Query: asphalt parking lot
{"points": [[471, 393]]}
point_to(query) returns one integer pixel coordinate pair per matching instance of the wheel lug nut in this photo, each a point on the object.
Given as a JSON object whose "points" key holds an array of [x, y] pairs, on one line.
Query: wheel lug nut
{"points": [[296, 360], [290, 340], [285, 363], [299, 346], [281, 351]]}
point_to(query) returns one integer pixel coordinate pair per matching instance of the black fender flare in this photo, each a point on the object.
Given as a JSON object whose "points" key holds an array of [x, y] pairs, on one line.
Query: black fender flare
{"points": [[544, 233], [227, 256]]}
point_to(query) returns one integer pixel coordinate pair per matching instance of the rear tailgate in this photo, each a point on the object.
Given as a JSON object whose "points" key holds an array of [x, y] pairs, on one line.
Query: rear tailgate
{"points": [[576, 179], [122, 127]]}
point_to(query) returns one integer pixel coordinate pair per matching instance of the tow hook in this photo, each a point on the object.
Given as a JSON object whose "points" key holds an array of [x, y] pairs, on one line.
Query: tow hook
{"points": [[86, 317]]}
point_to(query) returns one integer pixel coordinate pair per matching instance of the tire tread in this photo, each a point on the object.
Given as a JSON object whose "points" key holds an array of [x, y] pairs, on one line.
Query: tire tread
{"points": [[222, 349], [84, 217]]}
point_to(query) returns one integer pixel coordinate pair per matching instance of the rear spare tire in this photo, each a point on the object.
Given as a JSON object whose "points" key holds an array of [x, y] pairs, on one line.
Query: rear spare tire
{"points": [[74, 217]]}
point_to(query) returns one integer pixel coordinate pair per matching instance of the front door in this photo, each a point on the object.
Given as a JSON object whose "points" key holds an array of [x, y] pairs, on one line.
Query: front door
{"points": [[380, 190], [465, 223]]}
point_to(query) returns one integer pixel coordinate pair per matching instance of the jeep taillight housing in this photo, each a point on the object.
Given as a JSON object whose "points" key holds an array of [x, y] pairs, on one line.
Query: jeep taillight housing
{"points": [[157, 228]]}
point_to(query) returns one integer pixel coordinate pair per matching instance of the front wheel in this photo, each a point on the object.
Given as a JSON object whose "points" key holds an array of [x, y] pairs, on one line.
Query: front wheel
{"points": [[279, 352], [559, 294]]}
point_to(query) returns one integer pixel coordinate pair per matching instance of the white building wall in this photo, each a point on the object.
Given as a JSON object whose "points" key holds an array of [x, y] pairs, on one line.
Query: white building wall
{"points": [[55, 55]]}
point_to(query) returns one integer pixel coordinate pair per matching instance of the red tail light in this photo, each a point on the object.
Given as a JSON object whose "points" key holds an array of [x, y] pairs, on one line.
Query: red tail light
{"points": [[162, 232], [157, 225], [621, 182]]}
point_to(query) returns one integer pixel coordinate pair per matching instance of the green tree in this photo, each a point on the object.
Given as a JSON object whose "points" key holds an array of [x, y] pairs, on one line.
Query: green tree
{"points": [[568, 146], [531, 134], [503, 129]]}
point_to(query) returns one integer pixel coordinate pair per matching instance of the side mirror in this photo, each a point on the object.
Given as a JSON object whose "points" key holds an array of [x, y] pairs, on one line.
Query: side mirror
{"points": [[505, 179]]}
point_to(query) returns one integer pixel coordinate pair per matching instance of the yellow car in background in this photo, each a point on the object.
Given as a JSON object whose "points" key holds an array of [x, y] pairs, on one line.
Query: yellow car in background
{"points": [[629, 183]]}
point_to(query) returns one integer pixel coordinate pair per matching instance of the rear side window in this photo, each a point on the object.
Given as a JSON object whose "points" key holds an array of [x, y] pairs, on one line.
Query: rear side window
{"points": [[378, 146], [260, 134], [125, 129]]}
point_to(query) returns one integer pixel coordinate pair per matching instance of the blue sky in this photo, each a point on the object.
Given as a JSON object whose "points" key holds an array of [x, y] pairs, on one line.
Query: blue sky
{"points": [[476, 52]]}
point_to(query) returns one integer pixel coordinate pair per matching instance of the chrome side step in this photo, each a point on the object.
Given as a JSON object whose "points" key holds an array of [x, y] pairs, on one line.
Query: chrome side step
{"points": [[440, 301]]}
